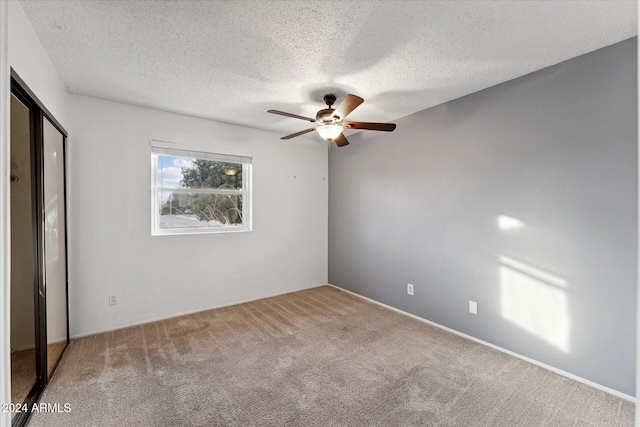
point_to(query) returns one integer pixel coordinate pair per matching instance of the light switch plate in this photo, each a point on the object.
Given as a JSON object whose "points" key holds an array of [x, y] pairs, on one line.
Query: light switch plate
{"points": [[473, 307]]}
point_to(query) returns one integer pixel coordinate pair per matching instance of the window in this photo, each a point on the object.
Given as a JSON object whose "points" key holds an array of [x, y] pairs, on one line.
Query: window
{"points": [[197, 191]]}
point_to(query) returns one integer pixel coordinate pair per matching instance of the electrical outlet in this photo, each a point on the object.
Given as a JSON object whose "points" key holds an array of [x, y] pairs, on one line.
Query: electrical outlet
{"points": [[113, 300], [473, 307], [409, 288]]}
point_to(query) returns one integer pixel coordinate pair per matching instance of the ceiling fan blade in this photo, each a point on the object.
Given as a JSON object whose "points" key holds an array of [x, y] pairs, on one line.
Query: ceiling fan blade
{"points": [[349, 104], [341, 141], [302, 132], [295, 116], [387, 127]]}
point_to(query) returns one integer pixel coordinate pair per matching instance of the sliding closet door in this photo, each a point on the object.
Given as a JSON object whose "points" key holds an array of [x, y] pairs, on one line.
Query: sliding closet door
{"points": [[55, 254], [23, 258], [39, 324]]}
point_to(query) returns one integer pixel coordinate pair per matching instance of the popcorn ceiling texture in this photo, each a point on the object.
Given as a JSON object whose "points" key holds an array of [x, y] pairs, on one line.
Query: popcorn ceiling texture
{"points": [[319, 357], [232, 61]]}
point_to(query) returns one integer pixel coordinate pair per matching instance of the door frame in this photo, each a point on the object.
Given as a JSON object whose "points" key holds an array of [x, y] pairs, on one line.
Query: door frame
{"points": [[37, 114]]}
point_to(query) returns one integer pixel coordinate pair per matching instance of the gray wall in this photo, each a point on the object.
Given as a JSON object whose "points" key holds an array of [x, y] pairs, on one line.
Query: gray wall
{"points": [[521, 197]]}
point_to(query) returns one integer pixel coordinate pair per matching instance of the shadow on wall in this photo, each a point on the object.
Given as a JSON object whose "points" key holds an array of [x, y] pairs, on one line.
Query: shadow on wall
{"points": [[533, 299]]}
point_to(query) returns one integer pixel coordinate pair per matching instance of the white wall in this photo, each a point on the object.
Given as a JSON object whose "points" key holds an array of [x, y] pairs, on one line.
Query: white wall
{"points": [[21, 50], [5, 242], [111, 248], [32, 63]]}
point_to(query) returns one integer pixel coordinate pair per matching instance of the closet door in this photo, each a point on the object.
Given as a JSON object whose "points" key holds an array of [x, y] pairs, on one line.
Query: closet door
{"points": [[24, 277], [38, 247], [55, 245]]}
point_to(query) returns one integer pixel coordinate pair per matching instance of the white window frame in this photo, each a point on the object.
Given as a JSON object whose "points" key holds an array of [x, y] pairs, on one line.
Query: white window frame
{"points": [[159, 148]]}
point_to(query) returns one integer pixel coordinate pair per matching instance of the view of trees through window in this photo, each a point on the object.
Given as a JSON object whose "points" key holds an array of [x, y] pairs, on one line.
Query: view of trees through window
{"points": [[198, 192]]}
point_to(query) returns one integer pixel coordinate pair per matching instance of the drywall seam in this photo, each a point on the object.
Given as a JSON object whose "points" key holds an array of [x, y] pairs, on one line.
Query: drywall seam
{"points": [[495, 347]]}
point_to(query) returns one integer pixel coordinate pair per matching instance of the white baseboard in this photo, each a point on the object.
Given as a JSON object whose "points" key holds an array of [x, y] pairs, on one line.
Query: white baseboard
{"points": [[186, 313], [504, 350], [23, 347]]}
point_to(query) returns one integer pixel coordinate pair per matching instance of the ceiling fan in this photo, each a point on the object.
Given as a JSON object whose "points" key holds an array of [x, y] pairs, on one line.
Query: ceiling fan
{"points": [[329, 122]]}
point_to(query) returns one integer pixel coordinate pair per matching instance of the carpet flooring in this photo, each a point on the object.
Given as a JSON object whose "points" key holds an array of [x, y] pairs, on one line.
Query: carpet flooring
{"points": [[23, 369], [54, 351], [23, 375], [319, 357]]}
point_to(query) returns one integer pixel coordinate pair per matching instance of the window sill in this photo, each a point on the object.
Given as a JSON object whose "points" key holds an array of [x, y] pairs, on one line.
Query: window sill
{"points": [[179, 231]]}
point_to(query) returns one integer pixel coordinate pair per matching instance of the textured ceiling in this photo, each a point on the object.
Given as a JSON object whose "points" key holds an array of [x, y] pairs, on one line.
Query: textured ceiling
{"points": [[233, 60]]}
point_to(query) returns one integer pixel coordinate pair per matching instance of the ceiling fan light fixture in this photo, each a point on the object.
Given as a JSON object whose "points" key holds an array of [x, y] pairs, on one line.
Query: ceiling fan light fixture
{"points": [[329, 132]]}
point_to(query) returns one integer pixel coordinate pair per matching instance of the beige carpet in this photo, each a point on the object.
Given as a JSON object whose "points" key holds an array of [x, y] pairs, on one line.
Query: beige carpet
{"points": [[313, 358], [54, 351], [23, 374]]}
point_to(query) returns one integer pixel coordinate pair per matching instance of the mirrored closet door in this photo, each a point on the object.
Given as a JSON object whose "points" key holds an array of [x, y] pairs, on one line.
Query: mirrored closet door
{"points": [[23, 244], [39, 312], [55, 256]]}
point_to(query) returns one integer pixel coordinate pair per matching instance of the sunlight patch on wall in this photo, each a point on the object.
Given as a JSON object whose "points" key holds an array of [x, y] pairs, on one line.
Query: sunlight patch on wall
{"points": [[535, 301], [506, 222]]}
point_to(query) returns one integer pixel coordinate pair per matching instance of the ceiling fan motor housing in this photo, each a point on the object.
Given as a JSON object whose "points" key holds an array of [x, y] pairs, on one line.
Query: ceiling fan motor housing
{"points": [[324, 116]]}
